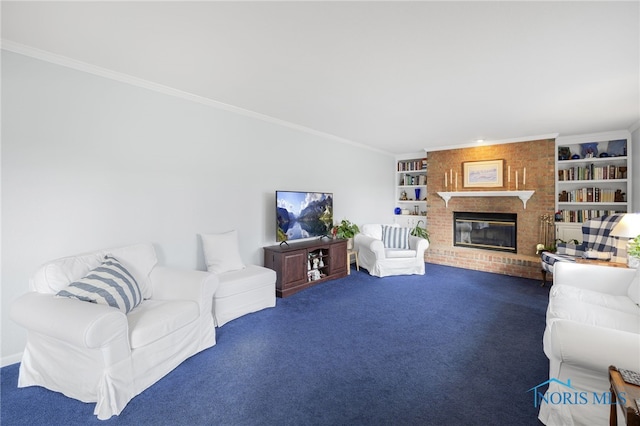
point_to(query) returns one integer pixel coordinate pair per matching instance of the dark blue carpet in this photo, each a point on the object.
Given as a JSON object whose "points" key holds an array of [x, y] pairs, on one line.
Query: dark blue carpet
{"points": [[452, 347]]}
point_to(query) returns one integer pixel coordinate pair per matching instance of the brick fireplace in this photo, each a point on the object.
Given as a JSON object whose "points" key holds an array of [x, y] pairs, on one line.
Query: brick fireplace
{"points": [[538, 157]]}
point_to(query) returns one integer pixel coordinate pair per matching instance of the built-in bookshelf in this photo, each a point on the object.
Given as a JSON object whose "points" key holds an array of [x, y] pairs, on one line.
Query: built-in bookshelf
{"points": [[593, 178], [411, 191]]}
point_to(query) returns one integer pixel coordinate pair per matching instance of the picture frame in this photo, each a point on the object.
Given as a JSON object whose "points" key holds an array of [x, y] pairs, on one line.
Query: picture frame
{"points": [[483, 174]]}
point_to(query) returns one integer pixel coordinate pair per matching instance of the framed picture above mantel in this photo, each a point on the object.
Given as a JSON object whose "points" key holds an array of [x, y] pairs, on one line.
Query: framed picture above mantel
{"points": [[482, 174]]}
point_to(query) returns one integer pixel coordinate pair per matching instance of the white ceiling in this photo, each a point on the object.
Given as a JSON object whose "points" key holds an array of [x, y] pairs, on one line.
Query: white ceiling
{"points": [[396, 76]]}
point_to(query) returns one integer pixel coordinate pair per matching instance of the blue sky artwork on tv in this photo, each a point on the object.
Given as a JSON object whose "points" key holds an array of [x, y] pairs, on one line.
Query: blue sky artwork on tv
{"points": [[303, 215]]}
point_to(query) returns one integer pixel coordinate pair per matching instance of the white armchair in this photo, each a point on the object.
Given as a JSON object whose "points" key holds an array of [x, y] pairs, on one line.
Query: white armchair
{"points": [[592, 322], [97, 353], [392, 259]]}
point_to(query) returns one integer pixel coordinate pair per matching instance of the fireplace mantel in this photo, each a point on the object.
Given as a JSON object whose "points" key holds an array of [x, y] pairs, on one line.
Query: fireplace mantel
{"points": [[523, 195]]}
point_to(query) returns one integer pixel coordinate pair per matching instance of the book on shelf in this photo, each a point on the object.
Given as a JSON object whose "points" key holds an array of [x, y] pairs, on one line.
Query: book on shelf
{"points": [[412, 165], [592, 195], [578, 216], [591, 172]]}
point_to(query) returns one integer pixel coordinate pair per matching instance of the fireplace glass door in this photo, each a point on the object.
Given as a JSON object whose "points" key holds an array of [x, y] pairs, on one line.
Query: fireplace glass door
{"points": [[487, 231]]}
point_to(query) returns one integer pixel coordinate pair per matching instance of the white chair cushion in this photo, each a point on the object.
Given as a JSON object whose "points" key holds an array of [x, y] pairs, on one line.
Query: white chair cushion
{"points": [[587, 313], [592, 254], [373, 230], [247, 279], [634, 288], [399, 254], [58, 274], [579, 295], [108, 284], [155, 319], [139, 259], [221, 252]]}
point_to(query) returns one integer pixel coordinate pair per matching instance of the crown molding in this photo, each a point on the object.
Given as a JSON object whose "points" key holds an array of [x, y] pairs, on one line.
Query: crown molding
{"points": [[67, 62]]}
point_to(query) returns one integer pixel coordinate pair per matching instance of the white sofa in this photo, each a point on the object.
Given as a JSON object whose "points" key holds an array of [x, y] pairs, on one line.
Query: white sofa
{"points": [[593, 321], [381, 260], [97, 353]]}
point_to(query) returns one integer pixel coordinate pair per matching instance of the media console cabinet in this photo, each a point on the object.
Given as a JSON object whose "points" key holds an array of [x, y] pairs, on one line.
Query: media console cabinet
{"points": [[303, 264]]}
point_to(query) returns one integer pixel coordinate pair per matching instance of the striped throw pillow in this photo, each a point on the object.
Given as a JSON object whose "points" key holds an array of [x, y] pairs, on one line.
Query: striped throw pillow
{"points": [[108, 284], [395, 237]]}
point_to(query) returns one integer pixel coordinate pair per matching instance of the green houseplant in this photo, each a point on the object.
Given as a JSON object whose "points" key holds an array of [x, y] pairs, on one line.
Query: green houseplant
{"points": [[419, 231], [346, 229]]}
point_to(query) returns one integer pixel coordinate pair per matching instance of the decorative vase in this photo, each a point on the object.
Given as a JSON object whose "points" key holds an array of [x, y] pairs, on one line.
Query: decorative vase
{"points": [[589, 149], [633, 262], [417, 194]]}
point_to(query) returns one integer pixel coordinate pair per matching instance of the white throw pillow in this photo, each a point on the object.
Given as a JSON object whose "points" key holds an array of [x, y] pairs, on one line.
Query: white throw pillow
{"points": [[374, 230], [221, 252], [598, 255]]}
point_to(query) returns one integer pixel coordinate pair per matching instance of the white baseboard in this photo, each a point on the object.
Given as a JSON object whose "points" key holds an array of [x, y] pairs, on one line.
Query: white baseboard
{"points": [[11, 359]]}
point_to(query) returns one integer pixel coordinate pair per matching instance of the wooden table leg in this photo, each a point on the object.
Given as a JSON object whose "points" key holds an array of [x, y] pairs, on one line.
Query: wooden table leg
{"points": [[613, 415]]}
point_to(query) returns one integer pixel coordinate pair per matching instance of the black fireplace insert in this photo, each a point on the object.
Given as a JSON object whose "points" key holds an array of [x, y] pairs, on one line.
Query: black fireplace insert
{"points": [[488, 231]]}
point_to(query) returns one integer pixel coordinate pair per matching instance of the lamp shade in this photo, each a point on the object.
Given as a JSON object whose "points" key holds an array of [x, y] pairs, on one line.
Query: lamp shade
{"points": [[628, 227]]}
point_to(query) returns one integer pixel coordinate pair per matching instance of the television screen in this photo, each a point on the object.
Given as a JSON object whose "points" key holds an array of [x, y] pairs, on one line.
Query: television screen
{"points": [[303, 215]]}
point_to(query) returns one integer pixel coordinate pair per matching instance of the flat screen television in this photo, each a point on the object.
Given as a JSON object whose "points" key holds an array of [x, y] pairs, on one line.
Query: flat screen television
{"points": [[303, 215]]}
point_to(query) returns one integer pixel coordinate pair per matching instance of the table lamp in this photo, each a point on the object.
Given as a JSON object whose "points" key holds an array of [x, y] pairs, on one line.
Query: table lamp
{"points": [[628, 227]]}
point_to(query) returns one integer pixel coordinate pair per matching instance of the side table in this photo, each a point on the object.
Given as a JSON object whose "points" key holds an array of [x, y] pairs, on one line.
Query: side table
{"points": [[354, 254], [631, 394], [601, 263]]}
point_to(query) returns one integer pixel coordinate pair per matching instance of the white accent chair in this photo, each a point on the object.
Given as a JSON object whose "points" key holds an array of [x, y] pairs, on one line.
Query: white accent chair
{"points": [[242, 292], [381, 261], [244, 289], [96, 353], [592, 322]]}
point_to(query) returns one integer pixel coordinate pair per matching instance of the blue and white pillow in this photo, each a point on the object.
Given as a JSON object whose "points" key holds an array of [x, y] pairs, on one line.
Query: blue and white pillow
{"points": [[395, 237], [108, 284]]}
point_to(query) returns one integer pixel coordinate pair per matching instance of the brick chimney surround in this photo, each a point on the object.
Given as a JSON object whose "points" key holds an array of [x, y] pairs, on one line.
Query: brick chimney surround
{"points": [[539, 159]]}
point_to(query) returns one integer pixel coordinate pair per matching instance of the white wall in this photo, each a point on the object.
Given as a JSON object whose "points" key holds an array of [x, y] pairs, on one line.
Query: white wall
{"points": [[635, 140], [90, 163]]}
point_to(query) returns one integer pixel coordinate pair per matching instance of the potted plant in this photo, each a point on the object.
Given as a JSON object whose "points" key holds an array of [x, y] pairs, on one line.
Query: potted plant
{"points": [[346, 229], [419, 231], [634, 252]]}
